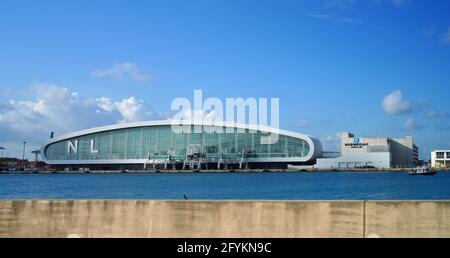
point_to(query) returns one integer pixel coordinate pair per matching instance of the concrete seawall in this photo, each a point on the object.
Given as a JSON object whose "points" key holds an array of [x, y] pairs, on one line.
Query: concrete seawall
{"points": [[224, 218]]}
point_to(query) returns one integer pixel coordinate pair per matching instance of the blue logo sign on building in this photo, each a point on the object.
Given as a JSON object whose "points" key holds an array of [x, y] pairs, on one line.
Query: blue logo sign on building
{"points": [[356, 140]]}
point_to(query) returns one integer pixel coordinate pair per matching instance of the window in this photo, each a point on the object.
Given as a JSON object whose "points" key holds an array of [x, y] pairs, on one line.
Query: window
{"points": [[439, 155]]}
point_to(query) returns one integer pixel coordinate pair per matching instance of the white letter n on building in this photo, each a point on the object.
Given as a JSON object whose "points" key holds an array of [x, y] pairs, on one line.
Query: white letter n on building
{"points": [[72, 147]]}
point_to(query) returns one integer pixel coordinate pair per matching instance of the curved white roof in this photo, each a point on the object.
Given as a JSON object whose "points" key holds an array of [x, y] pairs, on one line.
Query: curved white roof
{"points": [[315, 145]]}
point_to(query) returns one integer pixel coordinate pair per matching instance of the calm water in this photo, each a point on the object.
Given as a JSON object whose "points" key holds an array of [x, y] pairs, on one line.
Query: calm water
{"points": [[270, 186]]}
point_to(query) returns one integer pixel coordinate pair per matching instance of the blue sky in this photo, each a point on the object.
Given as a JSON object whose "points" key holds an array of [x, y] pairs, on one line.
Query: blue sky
{"points": [[373, 67]]}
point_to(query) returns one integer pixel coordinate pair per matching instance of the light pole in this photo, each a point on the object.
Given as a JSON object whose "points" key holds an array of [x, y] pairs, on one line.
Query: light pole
{"points": [[23, 155]]}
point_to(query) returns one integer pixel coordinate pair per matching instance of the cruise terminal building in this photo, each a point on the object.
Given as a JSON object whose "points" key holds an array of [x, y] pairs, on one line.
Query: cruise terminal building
{"points": [[155, 145]]}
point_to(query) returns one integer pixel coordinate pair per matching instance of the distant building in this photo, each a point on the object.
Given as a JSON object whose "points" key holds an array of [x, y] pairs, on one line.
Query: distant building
{"points": [[15, 162], [440, 159], [8, 162], [372, 152]]}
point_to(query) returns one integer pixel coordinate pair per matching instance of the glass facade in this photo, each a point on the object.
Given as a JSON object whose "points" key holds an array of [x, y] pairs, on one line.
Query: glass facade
{"points": [[159, 142]]}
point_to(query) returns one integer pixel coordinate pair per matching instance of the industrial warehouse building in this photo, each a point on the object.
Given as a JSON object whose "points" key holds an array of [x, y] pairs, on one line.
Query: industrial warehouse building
{"points": [[155, 145], [372, 152]]}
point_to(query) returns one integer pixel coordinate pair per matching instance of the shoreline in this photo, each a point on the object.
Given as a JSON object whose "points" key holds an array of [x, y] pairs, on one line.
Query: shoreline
{"points": [[207, 171]]}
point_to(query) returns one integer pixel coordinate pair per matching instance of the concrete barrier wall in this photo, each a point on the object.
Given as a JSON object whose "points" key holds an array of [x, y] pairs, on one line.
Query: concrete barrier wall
{"points": [[408, 219], [223, 219]]}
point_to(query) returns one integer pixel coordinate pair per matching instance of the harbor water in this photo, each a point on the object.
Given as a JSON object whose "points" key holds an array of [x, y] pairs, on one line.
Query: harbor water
{"points": [[228, 186]]}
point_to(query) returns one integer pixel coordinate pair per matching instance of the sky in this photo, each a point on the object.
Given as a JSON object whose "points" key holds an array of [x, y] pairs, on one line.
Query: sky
{"points": [[372, 67]]}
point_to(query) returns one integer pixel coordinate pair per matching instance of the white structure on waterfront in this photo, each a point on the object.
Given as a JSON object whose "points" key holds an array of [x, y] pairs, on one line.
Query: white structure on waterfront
{"points": [[372, 152], [155, 144], [440, 159]]}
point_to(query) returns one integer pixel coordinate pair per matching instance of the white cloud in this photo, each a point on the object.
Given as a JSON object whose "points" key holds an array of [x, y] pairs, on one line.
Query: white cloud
{"points": [[437, 114], [339, 3], [321, 16], [411, 124], [123, 71], [327, 17], [303, 123], [130, 109], [429, 32], [49, 105], [199, 115], [399, 2], [349, 3], [105, 104], [331, 142], [433, 32], [56, 108], [394, 104], [351, 20], [445, 37]]}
